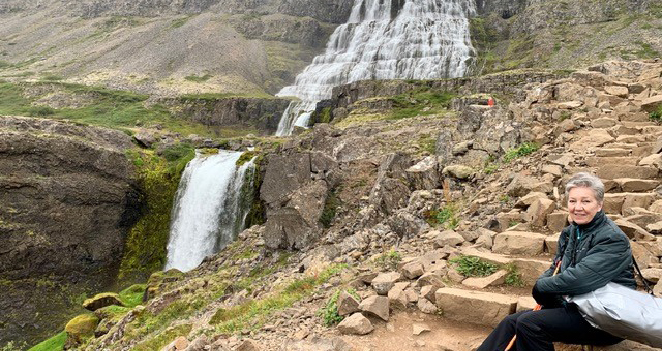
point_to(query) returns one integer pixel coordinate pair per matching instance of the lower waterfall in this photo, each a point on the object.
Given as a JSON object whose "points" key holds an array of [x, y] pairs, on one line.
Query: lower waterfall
{"points": [[208, 211]]}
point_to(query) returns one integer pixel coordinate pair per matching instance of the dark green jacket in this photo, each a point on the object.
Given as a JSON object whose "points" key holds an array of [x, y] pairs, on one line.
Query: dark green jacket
{"points": [[593, 255]]}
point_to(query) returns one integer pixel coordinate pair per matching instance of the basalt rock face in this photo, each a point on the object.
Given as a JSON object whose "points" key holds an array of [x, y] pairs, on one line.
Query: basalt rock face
{"points": [[67, 200], [261, 114]]}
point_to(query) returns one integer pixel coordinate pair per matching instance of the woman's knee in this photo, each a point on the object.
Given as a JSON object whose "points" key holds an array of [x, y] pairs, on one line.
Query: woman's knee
{"points": [[528, 321]]}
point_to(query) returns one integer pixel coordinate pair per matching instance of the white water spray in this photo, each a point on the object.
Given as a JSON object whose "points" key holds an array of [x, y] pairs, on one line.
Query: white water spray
{"points": [[427, 39], [207, 214]]}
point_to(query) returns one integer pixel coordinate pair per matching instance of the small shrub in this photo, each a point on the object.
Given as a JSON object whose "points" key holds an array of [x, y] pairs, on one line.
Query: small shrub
{"points": [[388, 260], [490, 168], [198, 79], [473, 266], [565, 115], [329, 312], [513, 278], [446, 216], [656, 116], [526, 148], [41, 111], [330, 207]]}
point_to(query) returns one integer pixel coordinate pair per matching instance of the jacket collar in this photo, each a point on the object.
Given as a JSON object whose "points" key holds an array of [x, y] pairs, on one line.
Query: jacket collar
{"points": [[597, 221]]}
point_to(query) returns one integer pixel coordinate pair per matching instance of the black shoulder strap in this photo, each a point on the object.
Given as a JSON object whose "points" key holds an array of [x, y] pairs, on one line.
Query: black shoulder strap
{"points": [[646, 286]]}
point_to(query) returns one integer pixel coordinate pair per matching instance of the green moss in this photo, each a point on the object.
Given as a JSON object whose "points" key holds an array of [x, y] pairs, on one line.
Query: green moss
{"points": [[420, 102], [180, 22], [245, 157], [54, 343], [145, 247], [257, 212], [330, 207], [133, 295], [159, 341]]}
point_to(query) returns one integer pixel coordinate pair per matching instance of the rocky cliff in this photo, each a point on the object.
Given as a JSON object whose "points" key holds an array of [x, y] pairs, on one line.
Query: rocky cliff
{"points": [[376, 220], [257, 47], [68, 198]]}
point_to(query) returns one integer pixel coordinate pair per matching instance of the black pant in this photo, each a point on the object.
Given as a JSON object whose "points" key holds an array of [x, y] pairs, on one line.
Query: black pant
{"points": [[536, 330]]}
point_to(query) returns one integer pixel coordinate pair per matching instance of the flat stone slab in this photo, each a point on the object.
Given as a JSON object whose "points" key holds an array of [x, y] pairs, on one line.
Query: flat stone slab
{"points": [[519, 243], [526, 303], [624, 171], [637, 185], [495, 279], [486, 256], [478, 307], [530, 269]]}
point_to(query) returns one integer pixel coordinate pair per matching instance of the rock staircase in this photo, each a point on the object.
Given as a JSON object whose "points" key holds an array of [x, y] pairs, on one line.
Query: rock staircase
{"points": [[606, 131]]}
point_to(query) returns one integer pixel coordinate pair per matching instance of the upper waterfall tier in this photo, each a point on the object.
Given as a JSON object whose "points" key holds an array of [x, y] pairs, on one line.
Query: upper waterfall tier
{"points": [[208, 211], [422, 39]]}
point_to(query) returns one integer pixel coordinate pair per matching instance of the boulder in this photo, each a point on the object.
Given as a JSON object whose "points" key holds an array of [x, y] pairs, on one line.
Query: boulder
{"points": [[530, 269], [537, 213], [347, 304], [79, 328], [102, 300], [644, 257], [633, 231], [556, 221], [458, 171], [425, 174], [426, 306], [412, 270], [637, 185], [406, 224], [448, 238], [617, 91], [401, 295], [613, 203], [522, 185], [555, 170], [385, 281], [652, 103], [355, 324], [377, 306], [435, 278], [528, 199], [475, 307], [633, 200], [603, 123], [495, 279], [427, 292], [552, 243], [519, 243], [654, 160], [652, 274]]}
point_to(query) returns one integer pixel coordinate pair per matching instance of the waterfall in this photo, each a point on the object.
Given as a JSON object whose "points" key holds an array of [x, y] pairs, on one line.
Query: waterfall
{"points": [[208, 211], [424, 39]]}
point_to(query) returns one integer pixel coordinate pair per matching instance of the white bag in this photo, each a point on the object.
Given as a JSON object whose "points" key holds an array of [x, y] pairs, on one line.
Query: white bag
{"points": [[623, 312]]}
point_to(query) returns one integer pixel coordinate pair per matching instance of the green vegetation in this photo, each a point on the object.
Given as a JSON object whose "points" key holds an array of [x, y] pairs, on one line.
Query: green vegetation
{"points": [[162, 339], [419, 102], [565, 115], [388, 261], [490, 168], [133, 295], [524, 149], [513, 278], [53, 344], [427, 143], [198, 79], [254, 313], [329, 312], [48, 77], [656, 115], [145, 248], [245, 157], [108, 108], [472, 266], [446, 216], [646, 51], [331, 205], [180, 22]]}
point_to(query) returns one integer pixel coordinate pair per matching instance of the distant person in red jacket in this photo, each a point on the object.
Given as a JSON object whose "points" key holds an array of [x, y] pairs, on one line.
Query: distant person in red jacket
{"points": [[490, 102]]}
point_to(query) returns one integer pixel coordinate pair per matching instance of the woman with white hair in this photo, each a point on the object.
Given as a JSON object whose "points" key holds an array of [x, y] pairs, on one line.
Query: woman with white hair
{"points": [[592, 252]]}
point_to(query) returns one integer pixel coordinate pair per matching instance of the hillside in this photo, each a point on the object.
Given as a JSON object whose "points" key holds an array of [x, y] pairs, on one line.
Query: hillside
{"points": [[414, 206], [256, 48]]}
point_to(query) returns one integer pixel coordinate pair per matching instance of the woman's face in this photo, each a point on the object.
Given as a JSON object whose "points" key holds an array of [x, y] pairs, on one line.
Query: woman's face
{"points": [[582, 205]]}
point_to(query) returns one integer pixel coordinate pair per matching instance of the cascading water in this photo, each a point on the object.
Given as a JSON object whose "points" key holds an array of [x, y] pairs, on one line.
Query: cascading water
{"points": [[425, 39], [208, 211]]}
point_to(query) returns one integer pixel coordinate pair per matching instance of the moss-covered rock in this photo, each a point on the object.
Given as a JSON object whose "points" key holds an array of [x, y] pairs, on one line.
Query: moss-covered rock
{"points": [[158, 280], [102, 300], [80, 328]]}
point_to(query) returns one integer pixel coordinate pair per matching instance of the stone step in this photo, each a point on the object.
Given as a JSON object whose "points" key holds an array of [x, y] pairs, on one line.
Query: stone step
{"points": [[478, 307], [636, 172], [630, 185], [519, 243], [601, 161], [613, 152], [528, 268]]}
